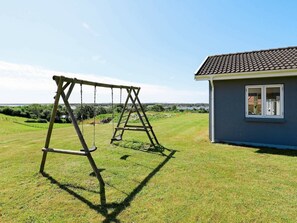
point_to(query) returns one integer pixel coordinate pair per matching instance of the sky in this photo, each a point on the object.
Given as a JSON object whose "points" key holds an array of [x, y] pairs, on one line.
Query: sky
{"points": [[154, 44]]}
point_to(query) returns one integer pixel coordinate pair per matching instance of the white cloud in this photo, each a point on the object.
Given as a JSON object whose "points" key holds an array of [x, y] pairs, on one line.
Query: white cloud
{"points": [[20, 83], [87, 27]]}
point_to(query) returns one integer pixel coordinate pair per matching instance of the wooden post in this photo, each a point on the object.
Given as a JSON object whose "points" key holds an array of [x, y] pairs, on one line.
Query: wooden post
{"points": [[86, 149], [121, 117], [146, 119], [145, 124], [139, 115], [51, 124]]}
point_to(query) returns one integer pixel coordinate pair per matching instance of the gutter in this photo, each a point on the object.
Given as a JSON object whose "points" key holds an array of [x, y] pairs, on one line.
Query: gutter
{"points": [[212, 110], [246, 75]]}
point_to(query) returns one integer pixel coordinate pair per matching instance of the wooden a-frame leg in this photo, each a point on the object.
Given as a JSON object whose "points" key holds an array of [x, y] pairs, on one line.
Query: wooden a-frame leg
{"points": [[100, 179], [146, 119], [86, 149], [50, 128], [60, 92], [134, 101], [121, 117], [131, 109], [44, 155]]}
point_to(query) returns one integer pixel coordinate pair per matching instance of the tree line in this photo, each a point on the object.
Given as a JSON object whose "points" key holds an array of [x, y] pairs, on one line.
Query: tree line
{"points": [[42, 113]]}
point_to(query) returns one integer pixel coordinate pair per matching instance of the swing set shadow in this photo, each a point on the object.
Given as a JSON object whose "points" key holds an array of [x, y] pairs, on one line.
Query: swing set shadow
{"points": [[142, 147], [116, 208]]}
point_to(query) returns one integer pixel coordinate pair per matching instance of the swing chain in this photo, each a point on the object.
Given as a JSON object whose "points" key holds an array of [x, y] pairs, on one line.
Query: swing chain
{"points": [[112, 109], [94, 131], [81, 109], [120, 96]]}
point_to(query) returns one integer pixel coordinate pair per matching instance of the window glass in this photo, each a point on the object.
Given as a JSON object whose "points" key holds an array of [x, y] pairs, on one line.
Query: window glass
{"points": [[273, 101], [254, 101], [265, 101]]}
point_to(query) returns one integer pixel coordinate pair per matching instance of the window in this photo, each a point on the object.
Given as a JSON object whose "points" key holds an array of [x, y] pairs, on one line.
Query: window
{"points": [[264, 101]]}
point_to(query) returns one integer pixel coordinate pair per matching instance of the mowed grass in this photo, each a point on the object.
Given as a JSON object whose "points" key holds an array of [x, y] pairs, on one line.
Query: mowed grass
{"points": [[192, 181]]}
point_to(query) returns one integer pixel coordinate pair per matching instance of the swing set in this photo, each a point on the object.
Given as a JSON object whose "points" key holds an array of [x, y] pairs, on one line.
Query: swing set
{"points": [[132, 104]]}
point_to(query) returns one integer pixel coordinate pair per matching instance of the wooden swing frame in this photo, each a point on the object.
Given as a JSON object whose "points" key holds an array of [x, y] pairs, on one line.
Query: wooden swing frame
{"points": [[65, 87]]}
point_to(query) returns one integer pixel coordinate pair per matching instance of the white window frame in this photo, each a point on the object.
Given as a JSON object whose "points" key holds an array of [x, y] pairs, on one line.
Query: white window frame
{"points": [[263, 101]]}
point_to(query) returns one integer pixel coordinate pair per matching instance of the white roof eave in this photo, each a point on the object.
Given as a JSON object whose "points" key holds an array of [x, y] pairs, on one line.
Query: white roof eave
{"points": [[248, 75]]}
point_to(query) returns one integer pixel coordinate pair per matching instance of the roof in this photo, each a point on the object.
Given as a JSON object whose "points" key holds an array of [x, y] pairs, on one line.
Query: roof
{"points": [[254, 61]]}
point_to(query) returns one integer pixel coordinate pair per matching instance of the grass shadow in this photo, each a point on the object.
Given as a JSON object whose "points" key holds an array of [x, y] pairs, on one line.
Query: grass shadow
{"points": [[281, 152], [111, 210], [266, 149], [67, 187], [142, 147]]}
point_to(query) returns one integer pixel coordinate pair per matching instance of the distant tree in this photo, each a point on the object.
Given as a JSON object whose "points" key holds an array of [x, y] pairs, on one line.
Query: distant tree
{"points": [[45, 114], [119, 108], [144, 106], [100, 110], [157, 108], [35, 110], [202, 110], [84, 112], [7, 111], [108, 109], [24, 112], [173, 108]]}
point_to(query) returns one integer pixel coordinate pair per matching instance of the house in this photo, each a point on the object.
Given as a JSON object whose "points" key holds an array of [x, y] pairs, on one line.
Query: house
{"points": [[253, 97]]}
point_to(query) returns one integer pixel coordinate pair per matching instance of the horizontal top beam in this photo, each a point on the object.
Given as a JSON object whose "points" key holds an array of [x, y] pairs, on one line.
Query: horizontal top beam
{"points": [[84, 82]]}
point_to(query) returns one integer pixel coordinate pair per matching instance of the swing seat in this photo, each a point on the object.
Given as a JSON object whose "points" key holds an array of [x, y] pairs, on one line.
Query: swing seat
{"points": [[117, 138], [92, 149]]}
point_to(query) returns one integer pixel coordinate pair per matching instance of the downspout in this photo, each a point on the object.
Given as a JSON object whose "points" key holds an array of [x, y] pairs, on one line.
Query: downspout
{"points": [[212, 110]]}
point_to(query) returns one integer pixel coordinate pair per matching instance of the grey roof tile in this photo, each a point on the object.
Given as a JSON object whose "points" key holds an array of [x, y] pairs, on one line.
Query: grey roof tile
{"points": [[261, 60]]}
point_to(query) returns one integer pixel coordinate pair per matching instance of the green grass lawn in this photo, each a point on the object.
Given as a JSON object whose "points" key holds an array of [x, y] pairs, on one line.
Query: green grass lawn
{"points": [[192, 181]]}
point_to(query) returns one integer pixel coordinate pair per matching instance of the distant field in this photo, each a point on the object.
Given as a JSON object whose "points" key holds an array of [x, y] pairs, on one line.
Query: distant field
{"points": [[192, 181]]}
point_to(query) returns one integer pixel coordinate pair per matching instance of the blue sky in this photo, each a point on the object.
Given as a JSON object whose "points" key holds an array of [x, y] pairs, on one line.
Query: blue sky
{"points": [[156, 44]]}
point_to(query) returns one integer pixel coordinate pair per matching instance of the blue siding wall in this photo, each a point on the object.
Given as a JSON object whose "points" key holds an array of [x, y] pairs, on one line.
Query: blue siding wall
{"points": [[231, 124]]}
